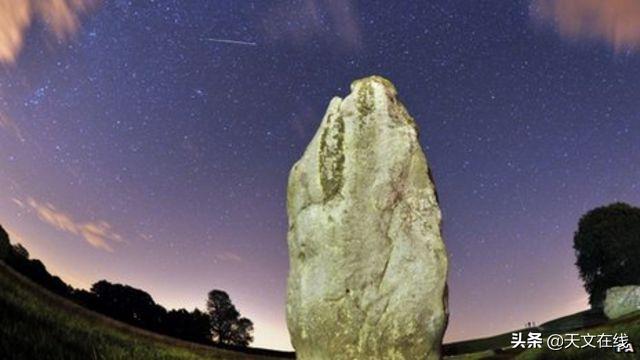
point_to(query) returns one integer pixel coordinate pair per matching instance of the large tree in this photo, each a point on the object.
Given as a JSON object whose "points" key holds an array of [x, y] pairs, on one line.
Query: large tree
{"points": [[227, 327], [607, 246]]}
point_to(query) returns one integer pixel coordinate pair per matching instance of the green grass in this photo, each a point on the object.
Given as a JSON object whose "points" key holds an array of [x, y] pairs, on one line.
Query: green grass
{"points": [[36, 324]]}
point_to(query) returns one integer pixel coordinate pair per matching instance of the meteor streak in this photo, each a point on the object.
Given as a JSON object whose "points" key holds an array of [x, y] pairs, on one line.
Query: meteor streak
{"points": [[235, 42]]}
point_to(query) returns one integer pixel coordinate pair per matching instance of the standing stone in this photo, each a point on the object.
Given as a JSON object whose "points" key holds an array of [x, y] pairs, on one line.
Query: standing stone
{"points": [[368, 266], [622, 300]]}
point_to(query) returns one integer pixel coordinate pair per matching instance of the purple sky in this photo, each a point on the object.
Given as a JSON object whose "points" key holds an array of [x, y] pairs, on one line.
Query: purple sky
{"points": [[137, 147]]}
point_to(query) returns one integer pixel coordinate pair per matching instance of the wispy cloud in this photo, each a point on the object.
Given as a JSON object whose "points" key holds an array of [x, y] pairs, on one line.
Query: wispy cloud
{"points": [[19, 203], [614, 21], [62, 18], [8, 124], [228, 256], [300, 21], [99, 234]]}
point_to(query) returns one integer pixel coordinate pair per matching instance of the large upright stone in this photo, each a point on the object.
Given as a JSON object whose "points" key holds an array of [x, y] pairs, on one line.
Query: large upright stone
{"points": [[622, 300], [367, 262]]}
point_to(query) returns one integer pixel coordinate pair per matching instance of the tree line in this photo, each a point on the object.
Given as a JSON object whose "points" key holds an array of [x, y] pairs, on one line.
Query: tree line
{"points": [[220, 324], [606, 244]]}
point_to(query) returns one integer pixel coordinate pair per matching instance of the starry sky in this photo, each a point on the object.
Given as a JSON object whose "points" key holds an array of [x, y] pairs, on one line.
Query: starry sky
{"points": [[149, 142]]}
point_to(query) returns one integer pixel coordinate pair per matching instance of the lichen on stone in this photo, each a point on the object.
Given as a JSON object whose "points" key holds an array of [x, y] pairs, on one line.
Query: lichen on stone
{"points": [[408, 119], [365, 99], [331, 157]]}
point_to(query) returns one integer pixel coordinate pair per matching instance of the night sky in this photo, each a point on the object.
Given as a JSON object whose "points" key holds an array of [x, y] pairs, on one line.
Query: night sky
{"points": [[149, 142]]}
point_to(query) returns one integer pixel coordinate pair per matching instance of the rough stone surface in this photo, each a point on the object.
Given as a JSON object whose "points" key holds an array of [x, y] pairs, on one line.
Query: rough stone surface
{"points": [[368, 266], [621, 300]]}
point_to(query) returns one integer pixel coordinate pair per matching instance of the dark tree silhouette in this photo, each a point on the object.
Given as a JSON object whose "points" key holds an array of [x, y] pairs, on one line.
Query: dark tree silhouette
{"points": [[607, 246], [227, 327], [86, 299], [5, 245], [20, 251], [128, 304], [192, 326], [136, 307], [242, 332], [17, 257]]}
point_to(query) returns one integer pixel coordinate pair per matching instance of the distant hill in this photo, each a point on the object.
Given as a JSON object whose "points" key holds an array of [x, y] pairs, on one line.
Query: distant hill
{"points": [[568, 323], [589, 321]]}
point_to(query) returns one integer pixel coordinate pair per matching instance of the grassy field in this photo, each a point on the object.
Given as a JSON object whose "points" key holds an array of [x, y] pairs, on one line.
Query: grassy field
{"points": [[36, 324]]}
